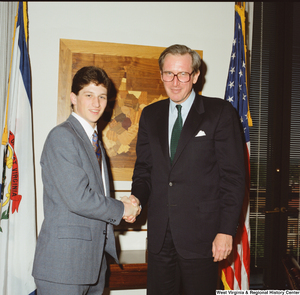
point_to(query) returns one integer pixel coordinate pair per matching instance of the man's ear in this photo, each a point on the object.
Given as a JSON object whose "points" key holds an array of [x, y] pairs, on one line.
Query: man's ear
{"points": [[195, 77], [161, 73], [73, 98]]}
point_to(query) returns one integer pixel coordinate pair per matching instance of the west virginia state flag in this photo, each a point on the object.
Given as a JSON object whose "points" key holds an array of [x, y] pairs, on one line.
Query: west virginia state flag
{"points": [[18, 222], [235, 270]]}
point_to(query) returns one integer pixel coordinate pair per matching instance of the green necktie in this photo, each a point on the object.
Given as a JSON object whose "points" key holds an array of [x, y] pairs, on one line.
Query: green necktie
{"points": [[176, 132]]}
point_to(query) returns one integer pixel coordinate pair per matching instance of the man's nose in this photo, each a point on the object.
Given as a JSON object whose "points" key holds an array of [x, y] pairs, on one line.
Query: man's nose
{"points": [[175, 81], [96, 102]]}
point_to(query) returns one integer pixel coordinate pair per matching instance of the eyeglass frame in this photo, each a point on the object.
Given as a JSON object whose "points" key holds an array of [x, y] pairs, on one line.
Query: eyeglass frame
{"points": [[176, 75]]}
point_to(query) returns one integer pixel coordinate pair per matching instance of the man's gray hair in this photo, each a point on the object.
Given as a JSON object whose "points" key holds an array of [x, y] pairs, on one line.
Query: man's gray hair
{"points": [[178, 49]]}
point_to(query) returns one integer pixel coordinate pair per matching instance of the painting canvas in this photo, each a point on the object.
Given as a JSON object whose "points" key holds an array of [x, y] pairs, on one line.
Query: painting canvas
{"points": [[135, 73]]}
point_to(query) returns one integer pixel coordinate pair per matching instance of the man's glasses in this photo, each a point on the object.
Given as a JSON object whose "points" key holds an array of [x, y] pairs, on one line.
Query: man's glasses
{"points": [[181, 76]]}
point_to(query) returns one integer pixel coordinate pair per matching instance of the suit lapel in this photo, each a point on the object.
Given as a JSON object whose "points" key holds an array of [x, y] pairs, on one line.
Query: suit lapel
{"points": [[106, 178], [191, 126], [87, 146], [162, 129]]}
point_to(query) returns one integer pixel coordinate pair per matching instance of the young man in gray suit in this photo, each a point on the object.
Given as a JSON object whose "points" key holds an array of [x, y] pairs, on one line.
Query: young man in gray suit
{"points": [[79, 213]]}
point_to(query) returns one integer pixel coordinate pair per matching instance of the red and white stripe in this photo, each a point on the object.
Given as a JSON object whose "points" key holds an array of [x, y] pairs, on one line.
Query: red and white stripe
{"points": [[236, 268]]}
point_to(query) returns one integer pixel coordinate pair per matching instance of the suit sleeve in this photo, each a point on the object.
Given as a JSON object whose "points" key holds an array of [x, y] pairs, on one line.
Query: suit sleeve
{"points": [[67, 178], [141, 180], [230, 156]]}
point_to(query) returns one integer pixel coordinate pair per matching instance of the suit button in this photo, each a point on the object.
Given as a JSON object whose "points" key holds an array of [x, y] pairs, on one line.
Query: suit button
{"points": [[104, 232], [170, 183]]}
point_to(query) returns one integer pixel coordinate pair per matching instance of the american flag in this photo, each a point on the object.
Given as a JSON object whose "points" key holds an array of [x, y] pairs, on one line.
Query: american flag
{"points": [[235, 270]]}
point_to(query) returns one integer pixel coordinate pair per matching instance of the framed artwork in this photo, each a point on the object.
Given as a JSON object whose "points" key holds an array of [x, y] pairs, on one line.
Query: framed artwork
{"points": [[135, 73]]}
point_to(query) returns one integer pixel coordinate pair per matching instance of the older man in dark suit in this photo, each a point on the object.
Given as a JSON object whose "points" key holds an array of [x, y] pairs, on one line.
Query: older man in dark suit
{"points": [[190, 170]]}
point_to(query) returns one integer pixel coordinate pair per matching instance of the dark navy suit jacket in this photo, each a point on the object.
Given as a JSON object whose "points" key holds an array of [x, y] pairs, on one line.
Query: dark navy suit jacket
{"points": [[202, 192]]}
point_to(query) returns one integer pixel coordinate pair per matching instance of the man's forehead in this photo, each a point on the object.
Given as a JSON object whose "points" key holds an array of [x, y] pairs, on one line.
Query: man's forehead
{"points": [[92, 87], [178, 55], [173, 59]]}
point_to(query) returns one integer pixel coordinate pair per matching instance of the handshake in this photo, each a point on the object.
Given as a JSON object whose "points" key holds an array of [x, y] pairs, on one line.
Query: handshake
{"points": [[132, 208]]}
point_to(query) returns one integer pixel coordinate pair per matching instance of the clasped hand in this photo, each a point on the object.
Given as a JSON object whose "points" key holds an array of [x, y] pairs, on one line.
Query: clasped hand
{"points": [[132, 208]]}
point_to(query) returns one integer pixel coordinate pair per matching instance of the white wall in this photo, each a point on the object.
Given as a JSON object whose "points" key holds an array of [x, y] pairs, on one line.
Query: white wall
{"points": [[207, 26]]}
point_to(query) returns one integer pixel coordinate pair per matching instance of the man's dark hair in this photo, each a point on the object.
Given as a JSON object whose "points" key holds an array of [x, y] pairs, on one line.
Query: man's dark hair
{"points": [[87, 75]]}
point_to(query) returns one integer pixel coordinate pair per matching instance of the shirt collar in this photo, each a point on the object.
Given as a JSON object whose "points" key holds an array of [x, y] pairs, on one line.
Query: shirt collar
{"points": [[86, 126]]}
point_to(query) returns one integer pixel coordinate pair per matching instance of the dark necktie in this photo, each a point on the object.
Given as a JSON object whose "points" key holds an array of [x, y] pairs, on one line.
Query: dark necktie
{"points": [[176, 132], [96, 146]]}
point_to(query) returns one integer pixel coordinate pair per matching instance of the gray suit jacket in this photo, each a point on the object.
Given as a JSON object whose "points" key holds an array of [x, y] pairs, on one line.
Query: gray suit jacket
{"points": [[78, 216]]}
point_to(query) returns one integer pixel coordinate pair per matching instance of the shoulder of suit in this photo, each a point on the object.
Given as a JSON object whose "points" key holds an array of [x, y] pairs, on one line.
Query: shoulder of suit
{"points": [[64, 132], [62, 127], [158, 104], [214, 101]]}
